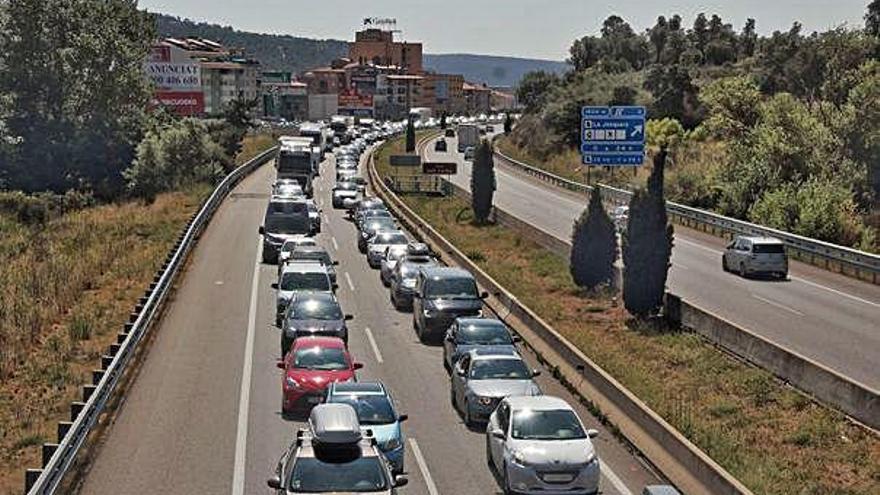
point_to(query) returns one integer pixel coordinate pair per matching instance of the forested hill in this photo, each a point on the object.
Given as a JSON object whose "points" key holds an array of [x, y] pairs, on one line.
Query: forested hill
{"points": [[492, 70], [275, 52]]}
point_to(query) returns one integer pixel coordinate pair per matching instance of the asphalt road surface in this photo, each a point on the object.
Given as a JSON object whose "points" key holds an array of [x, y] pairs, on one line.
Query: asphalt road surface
{"points": [[203, 415], [830, 318]]}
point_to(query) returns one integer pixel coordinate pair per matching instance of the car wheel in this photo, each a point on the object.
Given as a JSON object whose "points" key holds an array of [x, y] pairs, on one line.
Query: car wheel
{"points": [[452, 398], [489, 454], [467, 414], [505, 482], [724, 263], [742, 270]]}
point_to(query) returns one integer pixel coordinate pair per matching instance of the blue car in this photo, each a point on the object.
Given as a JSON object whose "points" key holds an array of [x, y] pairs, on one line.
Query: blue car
{"points": [[467, 333], [376, 412]]}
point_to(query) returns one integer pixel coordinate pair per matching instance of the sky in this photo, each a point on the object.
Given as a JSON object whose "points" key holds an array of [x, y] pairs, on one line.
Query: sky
{"points": [[523, 28]]}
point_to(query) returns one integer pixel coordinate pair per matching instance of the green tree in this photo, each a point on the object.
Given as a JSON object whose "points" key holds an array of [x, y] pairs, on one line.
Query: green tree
{"points": [[675, 95], [73, 70], [482, 182], [647, 246], [584, 53], [748, 39], [732, 106], [593, 245], [699, 34], [508, 123], [623, 95], [534, 87], [410, 136], [872, 18], [659, 36]]}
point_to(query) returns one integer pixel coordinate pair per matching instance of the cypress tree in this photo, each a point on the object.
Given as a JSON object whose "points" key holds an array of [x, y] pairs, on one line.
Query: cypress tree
{"points": [[410, 136], [443, 121], [593, 245], [508, 123], [482, 182], [647, 246]]}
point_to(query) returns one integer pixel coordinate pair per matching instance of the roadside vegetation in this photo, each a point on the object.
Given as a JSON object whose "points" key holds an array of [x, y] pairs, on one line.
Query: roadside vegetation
{"points": [[782, 130], [773, 439]]}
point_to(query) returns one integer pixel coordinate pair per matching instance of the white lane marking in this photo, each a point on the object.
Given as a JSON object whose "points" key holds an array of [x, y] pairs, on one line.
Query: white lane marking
{"points": [[373, 345], [350, 283], [778, 305], [244, 397], [840, 293], [335, 245], [423, 467], [612, 477]]}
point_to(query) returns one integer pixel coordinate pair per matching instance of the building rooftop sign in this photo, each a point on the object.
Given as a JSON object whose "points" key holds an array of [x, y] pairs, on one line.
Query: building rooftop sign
{"points": [[380, 22]]}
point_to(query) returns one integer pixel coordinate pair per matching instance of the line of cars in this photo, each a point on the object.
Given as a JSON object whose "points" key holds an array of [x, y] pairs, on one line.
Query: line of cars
{"points": [[534, 443]]}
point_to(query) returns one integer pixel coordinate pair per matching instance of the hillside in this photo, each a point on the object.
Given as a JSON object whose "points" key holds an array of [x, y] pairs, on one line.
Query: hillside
{"points": [[493, 70], [275, 52]]}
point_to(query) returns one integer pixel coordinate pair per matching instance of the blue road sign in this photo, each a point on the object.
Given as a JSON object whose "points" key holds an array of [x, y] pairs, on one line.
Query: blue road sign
{"points": [[613, 135]]}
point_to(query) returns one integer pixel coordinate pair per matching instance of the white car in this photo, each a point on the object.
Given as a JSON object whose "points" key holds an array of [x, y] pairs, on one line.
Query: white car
{"points": [[538, 445]]}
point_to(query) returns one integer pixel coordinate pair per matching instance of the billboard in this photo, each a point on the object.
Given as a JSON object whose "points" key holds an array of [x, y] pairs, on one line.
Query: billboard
{"points": [[353, 99], [177, 79]]}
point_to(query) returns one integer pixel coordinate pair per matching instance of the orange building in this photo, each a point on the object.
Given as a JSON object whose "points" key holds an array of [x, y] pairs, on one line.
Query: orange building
{"points": [[377, 47]]}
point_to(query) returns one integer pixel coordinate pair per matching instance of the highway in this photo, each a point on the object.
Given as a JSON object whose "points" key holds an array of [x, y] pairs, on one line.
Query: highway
{"points": [[830, 318], [203, 413]]}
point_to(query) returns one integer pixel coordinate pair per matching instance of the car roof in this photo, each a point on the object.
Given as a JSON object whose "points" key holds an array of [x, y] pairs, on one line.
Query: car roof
{"points": [[311, 249], [539, 402], [436, 272], [761, 240], [359, 388], [303, 266], [319, 341], [324, 297], [494, 352], [389, 232], [471, 321]]}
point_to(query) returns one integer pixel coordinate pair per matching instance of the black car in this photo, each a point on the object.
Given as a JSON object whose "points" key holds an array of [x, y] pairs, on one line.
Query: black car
{"points": [[440, 145], [466, 334], [450, 133], [315, 314], [443, 294]]}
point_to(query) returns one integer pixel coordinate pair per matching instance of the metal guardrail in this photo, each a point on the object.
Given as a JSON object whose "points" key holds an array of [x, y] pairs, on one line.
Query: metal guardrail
{"points": [[57, 459], [862, 265]]}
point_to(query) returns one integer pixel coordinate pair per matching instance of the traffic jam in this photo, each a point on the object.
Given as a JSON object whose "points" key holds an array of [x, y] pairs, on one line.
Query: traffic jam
{"points": [[353, 437]]}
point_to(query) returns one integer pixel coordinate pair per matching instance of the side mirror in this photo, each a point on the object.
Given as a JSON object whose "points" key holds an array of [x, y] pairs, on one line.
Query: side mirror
{"points": [[275, 285], [592, 433], [400, 481], [274, 483], [484, 295], [280, 365], [335, 286], [262, 230], [536, 373], [498, 433], [335, 263], [357, 366], [348, 317], [403, 417], [517, 339]]}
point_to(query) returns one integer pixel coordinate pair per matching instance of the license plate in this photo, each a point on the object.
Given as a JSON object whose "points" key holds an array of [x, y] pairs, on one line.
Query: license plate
{"points": [[557, 478]]}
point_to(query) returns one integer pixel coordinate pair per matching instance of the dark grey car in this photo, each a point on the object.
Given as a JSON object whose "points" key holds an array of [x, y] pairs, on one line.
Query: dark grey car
{"points": [[441, 295], [402, 283], [313, 315], [466, 334], [484, 376]]}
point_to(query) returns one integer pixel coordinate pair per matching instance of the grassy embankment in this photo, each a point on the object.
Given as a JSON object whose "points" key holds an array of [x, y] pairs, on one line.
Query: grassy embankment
{"points": [[66, 288], [773, 439]]}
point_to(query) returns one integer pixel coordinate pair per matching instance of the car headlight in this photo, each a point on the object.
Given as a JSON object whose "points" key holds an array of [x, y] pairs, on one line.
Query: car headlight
{"points": [[430, 313], [519, 458], [486, 401], [291, 382], [392, 444]]}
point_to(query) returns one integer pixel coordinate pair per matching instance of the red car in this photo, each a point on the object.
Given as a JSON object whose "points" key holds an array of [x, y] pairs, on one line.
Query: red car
{"points": [[311, 364]]}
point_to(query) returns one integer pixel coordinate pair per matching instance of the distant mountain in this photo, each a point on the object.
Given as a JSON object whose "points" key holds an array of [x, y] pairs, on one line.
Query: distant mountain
{"points": [[493, 70], [275, 52], [284, 52]]}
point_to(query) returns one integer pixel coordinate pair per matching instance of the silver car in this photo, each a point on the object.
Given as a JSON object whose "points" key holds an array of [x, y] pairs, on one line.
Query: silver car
{"points": [[755, 255], [539, 445], [297, 278], [347, 461], [383, 240], [484, 376], [392, 255]]}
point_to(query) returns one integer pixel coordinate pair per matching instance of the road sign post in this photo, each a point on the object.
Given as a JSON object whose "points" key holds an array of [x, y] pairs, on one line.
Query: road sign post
{"points": [[613, 136]]}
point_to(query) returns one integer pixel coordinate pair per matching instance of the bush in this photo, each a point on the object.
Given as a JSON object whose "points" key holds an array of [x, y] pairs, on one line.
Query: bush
{"points": [[593, 245]]}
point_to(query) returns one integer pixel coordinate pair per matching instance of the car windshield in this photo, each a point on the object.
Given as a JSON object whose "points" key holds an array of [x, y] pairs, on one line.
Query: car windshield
{"points": [[346, 186], [499, 369], [306, 281], [287, 224], [483, 335], [311, 309], [320, 358], [562, 424], [395, 254], [390, 239], [331, 475], [451, 288], [321, 256], [371, 409], [374, 214], [768, 249], [290, 246], [380, 224]]}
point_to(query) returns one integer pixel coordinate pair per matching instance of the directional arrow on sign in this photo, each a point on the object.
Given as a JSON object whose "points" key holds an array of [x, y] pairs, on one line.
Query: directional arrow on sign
{"points": [[637, 130]]}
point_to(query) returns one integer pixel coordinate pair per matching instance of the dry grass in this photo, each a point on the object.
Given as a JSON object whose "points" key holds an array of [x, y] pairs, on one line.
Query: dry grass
{"points": [[773, 439], [66, 288], [255, 144]]}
